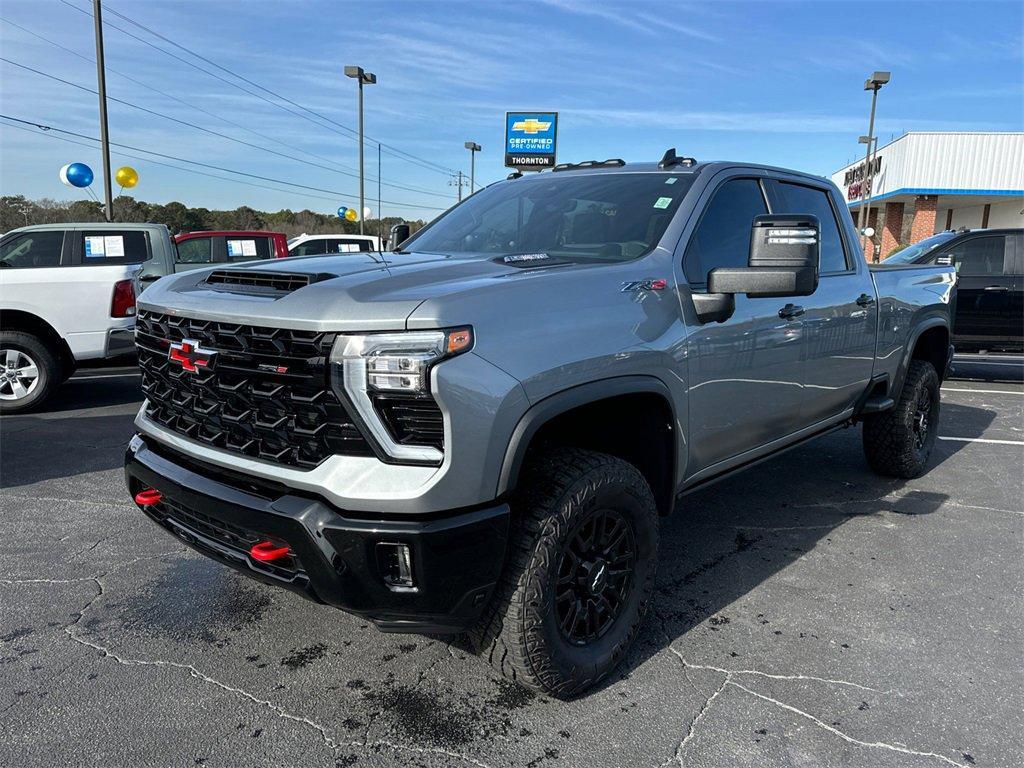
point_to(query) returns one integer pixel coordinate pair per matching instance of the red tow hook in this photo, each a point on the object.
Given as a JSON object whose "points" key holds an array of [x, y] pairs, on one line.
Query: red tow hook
{"points": [[268, 552], [148, 497]]}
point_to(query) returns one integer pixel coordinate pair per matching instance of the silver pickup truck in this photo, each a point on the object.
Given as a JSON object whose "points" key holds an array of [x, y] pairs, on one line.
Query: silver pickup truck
{"points": [[479, 431]]}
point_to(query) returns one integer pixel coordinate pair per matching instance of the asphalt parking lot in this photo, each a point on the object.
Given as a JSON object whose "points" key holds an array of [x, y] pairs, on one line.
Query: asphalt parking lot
{"points": [[808, 614]]}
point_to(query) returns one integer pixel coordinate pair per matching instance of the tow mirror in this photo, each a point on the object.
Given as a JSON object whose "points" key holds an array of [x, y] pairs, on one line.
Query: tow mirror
{"points": [[399, 234], [785, 251]]}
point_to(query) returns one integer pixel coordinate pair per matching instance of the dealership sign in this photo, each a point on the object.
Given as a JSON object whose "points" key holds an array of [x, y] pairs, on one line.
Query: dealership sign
{"points": [[858, 182], [530, 139]]}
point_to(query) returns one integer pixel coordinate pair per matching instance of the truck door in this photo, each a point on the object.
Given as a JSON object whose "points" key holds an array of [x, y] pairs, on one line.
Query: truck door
{"points": [[984, 291], [840, 316], [745, 373]]}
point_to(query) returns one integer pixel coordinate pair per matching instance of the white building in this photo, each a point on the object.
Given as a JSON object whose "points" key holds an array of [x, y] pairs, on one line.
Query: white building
{"points": [[925, 182]]}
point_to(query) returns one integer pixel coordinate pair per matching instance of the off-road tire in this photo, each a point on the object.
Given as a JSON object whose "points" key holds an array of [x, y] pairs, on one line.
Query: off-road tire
{"points": [[46, 362], [518, 633], [892, 440]]}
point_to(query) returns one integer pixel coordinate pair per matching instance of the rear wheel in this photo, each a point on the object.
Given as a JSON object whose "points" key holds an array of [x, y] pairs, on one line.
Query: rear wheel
{"points": [[899, 442], [29, 371], [579, 574]]}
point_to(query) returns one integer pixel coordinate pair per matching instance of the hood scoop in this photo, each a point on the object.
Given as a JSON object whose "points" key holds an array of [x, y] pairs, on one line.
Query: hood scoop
{"points": [[252, 282]]}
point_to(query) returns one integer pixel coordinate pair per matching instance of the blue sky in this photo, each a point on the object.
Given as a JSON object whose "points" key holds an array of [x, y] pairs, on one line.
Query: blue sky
{"points": [[770, 82]]}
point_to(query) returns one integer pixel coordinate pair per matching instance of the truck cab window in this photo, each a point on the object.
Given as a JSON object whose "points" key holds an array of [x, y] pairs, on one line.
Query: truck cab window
{"points": [[105, 247], [722, 237], [978, 256], [35, 249], [796, 198], [196, 250]]}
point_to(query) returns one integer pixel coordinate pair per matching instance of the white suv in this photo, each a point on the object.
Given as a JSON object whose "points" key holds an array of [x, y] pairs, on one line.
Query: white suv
{"points": [[316, 245]]}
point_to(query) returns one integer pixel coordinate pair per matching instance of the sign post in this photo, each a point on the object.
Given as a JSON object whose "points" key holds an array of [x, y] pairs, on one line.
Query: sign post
{"points": [[530, 140]]}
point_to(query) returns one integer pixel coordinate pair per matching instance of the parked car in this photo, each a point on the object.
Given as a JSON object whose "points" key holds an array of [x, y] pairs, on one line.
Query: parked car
{"points": [[67, 294], [990, 291], [317, 245], [198, 249], [480, 433]]}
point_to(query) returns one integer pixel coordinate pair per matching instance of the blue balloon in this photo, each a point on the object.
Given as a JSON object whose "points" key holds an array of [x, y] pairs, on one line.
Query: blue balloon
{"points": [[341, 212], [79, 175]]}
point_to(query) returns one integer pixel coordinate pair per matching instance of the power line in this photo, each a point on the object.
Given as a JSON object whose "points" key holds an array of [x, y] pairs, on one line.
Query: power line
{"points": [[208, 130], [348, 132], [44, 127]]}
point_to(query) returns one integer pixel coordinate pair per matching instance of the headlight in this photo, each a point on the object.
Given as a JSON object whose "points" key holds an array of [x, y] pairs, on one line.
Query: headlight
{"points": [[376, 366]]}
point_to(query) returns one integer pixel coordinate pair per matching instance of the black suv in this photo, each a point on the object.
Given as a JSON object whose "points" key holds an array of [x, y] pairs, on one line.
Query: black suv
{"points": [[990, 290]]}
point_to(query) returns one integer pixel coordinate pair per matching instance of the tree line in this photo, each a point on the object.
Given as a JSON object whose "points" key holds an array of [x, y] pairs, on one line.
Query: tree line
{"points": [[18, 211]]}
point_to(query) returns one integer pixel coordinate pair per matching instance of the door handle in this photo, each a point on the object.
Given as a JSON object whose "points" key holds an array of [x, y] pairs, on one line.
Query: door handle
{"points": [[997, 288], [864, 300], [790, 311]]}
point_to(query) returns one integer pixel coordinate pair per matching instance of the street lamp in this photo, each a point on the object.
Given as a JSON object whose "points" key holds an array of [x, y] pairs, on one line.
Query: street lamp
{"points": [[473, 148], [873, 84], [364, 78]]}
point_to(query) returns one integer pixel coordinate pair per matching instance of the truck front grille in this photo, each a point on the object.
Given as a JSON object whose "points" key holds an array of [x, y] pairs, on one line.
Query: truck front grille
{"points": [[266, 393]]}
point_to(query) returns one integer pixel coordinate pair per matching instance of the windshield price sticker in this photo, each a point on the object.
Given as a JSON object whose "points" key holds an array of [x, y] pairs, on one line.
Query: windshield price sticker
{"points": [[530, 139]]}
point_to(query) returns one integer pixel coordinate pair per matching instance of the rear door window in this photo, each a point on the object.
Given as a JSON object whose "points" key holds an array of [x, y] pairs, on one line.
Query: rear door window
{"points": [[346, 245], [195, 250], [248, 248], [32, 249], [796, 198], [313, 247], [99, 247]]}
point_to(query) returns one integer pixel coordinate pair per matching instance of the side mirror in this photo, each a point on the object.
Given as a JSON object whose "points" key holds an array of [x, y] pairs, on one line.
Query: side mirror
{"points": [[399, 234], [785, 251]]}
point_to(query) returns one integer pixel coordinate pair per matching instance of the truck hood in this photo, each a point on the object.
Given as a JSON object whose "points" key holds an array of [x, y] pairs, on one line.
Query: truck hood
{"points": [[359, 292]]}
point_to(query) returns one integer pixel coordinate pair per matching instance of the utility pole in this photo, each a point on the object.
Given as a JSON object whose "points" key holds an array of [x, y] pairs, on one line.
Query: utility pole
{"points": [[873, 84], [457, 180], [364, 78], [101, 82], [380, 216], [473, 148]]}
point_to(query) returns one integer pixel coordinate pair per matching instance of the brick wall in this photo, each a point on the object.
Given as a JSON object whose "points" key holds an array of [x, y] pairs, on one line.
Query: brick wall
{"points": [[892, 229], [924, 218]]}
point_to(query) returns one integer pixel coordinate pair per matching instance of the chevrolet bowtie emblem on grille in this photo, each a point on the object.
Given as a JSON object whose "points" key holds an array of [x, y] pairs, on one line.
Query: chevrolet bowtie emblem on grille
{"points": [[191, 356], [531, 125]]}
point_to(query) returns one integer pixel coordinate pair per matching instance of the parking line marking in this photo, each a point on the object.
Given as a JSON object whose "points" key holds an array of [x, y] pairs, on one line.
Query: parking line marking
{"points": [[984, 391], [981, 440], [104, 376]]}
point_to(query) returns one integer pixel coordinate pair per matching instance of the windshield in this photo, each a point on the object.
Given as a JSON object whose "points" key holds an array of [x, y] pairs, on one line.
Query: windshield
{"points": [[911, 252], [581, 217]]}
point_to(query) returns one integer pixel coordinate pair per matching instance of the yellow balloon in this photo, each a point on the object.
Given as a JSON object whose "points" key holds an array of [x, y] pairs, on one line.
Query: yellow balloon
{"points": [[127, 176], [351, 214]]}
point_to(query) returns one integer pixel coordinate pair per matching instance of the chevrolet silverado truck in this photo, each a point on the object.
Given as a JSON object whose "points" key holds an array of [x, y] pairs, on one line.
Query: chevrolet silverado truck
{"points": [[478, 432]]}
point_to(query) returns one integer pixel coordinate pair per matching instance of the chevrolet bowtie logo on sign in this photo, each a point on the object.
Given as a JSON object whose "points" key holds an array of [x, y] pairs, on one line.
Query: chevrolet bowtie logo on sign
{"points": [[530, 139]]}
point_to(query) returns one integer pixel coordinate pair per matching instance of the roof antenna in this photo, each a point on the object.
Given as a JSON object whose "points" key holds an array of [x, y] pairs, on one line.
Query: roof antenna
{"points": [[668, 159]]}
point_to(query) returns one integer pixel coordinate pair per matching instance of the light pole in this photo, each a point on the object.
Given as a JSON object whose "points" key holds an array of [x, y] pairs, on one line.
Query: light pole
{"points": [[873, 84], [473, 148], [101, 88], [364, 78]]}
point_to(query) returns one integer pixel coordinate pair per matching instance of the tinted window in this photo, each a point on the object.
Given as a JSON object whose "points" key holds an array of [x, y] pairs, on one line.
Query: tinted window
{"points": [[310, 248], [981, 256], [33, 249], [347, 245], [912, 252], [797, 198], [584, 217], [248, 248], [722, 238], [113, 247], [196, 250]]}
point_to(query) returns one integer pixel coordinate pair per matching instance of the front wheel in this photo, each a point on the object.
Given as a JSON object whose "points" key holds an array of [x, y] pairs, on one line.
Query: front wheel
{"points": [[579, 573], [898, 442]]}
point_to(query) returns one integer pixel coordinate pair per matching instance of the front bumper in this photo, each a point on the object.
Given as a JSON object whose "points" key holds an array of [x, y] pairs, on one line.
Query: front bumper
{"points": [[456, 557]]}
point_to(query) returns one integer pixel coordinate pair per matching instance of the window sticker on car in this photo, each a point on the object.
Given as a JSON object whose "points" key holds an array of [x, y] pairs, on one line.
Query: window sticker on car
{"points": [[94, 246], [242, 248], [114, 246], [663, 202], [671, 180]]}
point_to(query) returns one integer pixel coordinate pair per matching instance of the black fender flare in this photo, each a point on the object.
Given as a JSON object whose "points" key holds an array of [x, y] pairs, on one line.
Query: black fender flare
{"points": [[925, 324], [566, 400]]}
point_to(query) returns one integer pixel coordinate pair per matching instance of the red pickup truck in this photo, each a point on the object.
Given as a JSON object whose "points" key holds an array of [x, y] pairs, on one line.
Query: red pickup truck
{"points": [[225, 246]]}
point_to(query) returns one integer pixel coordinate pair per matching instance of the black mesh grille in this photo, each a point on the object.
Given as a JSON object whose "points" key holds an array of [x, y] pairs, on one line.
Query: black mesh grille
{"points": [[265, 394], [412, 421]]}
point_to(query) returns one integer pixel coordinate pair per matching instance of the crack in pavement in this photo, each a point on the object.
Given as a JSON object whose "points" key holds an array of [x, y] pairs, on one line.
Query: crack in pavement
{"points": [[845, 736], [692, 730]]}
